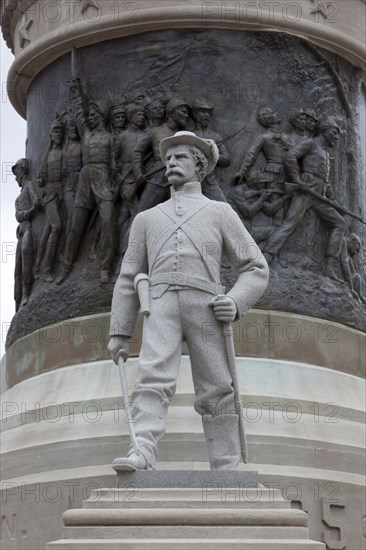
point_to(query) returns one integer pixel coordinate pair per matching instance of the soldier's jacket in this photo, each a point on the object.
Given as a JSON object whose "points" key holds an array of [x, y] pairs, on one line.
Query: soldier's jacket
{"points": [[187, 234]]}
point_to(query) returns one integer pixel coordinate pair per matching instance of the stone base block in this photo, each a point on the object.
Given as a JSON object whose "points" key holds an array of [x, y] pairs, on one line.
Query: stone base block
{"points": [[181, 479], [249, 518]]}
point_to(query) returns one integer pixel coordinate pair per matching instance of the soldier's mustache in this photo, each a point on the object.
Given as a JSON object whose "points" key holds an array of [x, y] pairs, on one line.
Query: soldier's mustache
{"points": [[174, 171]]}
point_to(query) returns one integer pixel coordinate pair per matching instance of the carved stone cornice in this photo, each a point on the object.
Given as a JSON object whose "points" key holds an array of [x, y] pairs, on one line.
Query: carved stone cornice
{"points": [[39, 32]]}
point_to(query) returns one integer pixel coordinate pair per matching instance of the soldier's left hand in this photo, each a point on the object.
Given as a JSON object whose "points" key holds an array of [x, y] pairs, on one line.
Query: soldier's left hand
{"points": [[224, 308]]}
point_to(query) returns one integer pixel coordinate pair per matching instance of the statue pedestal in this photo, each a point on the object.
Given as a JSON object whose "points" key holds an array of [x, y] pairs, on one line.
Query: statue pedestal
{"points": [[216, 515]]}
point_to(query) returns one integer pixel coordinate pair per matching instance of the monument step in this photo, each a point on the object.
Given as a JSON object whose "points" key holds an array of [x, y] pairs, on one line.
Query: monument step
{"points": [[187, 544], [183, 532], [208, 497], [180, 516]]}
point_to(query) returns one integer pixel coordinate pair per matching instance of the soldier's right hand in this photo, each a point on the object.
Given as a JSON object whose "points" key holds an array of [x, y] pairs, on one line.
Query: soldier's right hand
{"points": [[119, 344]]}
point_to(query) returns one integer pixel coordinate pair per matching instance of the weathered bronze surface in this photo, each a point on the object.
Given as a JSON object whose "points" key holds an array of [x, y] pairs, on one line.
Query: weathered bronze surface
{"points": [[265, 98]]}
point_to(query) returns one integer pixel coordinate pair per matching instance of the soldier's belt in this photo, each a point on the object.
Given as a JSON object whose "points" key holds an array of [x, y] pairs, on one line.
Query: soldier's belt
{"points": [[273, 167], [185, 280]]}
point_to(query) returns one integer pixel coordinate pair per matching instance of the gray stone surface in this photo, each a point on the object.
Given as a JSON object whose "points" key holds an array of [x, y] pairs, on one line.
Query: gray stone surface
{"points": [[187, 479]]}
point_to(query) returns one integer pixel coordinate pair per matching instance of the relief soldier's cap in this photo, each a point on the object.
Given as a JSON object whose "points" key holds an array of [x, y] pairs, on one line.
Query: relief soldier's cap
{"points": [[328, 122], [296, 111], [57, 123], [310, 112], [21, 163], [118, 108], [207, 146], [175, 102], [202, 104]]}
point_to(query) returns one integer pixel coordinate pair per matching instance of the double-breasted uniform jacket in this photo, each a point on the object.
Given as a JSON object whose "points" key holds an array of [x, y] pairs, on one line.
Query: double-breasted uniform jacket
{"points": [[206, 230]]}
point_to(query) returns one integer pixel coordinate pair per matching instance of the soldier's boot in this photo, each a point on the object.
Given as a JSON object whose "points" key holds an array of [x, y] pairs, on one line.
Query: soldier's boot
{"points": [[48, 276], [26, 290], [65, 270], [147, 411], [332, 269], [223, 441]]}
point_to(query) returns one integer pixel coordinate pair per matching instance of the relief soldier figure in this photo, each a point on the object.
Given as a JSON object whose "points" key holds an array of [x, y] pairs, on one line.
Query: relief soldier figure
{"points": [[202, 112], [71, 165], [95, 187], [273, 144], [351, 248], [248, 200], [169, 243], [26, 205], [156, 188], [313, 156], [50, 180], [298, 120], [127, 142]]}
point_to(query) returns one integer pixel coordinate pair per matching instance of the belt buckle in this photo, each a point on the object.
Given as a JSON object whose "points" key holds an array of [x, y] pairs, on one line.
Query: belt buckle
{"points": [[178, 278]]}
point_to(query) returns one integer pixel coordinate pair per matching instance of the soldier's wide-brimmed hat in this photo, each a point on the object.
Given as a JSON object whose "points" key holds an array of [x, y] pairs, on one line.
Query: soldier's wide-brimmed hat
{"points": [[175, 102], [202, 104], [328, 122], [207, 146], [20, 163]]}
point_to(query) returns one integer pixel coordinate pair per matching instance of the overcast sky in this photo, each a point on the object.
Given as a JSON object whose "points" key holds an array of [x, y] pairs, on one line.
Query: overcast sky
{"points": [[13, 135]]}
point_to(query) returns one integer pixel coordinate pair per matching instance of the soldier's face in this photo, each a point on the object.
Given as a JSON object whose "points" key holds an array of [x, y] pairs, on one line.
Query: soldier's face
{"points": [[119, 120], [202, 116], [139, 119], [57, 136], [181, 115], [157, 111], [180, 166], [300, 121], [94, 118], [331, 136], [72, 131], [310, 123]]}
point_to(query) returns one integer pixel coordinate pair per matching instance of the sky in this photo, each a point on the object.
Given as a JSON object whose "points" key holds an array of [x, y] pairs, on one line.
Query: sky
{"points": [[12, 147]]}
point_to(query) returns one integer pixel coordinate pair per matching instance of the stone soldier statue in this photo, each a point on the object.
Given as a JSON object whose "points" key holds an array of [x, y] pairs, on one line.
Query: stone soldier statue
{"points": [[95, 187], [314, 174], [202, 112], [50, 180], [180, 244], [26, 205], [156, 188], [71, 165]]}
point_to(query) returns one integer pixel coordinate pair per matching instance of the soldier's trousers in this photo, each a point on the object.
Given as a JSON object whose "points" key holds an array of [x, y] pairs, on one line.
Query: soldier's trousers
{"points": [[106, 211], [300, 204], [177, 316]]}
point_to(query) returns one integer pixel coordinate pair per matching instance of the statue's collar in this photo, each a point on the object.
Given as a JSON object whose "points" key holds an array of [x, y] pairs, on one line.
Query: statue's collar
{"points": [[191, 188]]}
